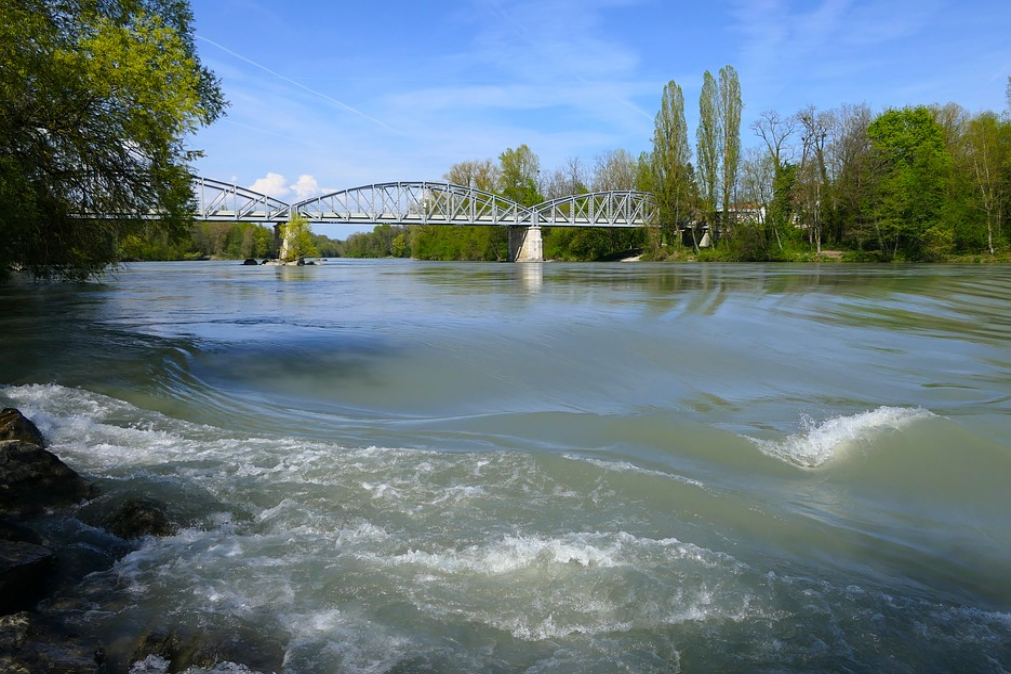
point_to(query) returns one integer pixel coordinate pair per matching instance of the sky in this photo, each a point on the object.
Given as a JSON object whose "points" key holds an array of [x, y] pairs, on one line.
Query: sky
{"points": [[327, 95]]}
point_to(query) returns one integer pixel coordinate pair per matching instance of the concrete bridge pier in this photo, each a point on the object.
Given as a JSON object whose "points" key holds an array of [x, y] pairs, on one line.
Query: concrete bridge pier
{"points": [[525, 244]]}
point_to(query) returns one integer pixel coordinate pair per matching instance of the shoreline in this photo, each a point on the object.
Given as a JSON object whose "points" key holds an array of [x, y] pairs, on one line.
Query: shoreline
{"points": [[37, 617]]}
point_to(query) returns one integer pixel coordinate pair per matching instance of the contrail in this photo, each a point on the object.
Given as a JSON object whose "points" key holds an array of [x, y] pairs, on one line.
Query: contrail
{"points": [[300, 85]]}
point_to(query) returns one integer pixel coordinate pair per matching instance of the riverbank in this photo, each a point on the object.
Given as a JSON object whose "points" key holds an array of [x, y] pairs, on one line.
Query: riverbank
{"points": [[41, 500]]}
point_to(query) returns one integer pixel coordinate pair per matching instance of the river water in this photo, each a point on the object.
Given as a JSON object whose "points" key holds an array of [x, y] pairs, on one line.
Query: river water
{"points": [[393, 466]]}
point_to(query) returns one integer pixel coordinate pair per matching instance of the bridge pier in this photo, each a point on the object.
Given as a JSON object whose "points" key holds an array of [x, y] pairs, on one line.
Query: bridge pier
{"points": [[279, 244], [525, 244]]}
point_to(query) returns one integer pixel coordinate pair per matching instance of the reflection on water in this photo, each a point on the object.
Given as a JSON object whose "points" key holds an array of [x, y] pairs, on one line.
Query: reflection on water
{"points": [[531, 276]]}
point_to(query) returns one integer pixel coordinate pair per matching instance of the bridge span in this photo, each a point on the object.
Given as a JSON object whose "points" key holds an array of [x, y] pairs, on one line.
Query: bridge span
{"points": [[429, 203]]}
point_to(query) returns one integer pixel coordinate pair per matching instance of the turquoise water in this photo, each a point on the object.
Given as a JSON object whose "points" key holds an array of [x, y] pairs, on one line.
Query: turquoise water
{"points": [[391, 466]]}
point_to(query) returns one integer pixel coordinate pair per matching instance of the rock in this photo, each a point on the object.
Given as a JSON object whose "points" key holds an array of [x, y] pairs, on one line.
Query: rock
{"points": [[16, 426], [207, 650], [24, 575], [33, 479], [141, 517], [13, 531], [30, 644]]}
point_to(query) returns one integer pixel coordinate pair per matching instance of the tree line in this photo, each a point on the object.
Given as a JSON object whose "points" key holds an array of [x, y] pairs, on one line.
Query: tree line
{"points": [[920, 183]]}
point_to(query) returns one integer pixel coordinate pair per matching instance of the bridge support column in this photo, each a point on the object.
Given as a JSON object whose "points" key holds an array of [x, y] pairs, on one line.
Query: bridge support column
{"points": [[525, 244], [278, 243]]}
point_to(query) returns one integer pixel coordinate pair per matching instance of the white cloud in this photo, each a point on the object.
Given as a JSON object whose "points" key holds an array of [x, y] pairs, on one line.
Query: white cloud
{"points": [[305, 187], [273, 185], [277, 186]]}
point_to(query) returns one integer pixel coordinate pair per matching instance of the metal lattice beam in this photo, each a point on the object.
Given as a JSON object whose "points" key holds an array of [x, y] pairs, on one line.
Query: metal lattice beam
{"points": [[422, 203], [220, 201], [598, 209], [413, 203]]}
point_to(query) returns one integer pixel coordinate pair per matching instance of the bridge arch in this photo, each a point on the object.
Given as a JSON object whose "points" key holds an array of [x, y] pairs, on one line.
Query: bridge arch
{"points": [[626, 208], [221, 201], [414, 203]]}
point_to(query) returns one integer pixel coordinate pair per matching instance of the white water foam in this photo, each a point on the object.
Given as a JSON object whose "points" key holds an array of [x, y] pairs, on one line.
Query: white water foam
{"points": [[626, 467], [820, 443]]}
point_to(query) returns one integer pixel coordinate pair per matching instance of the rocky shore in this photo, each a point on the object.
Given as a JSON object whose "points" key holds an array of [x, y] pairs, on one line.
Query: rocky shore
{"points": [[37, 634]]}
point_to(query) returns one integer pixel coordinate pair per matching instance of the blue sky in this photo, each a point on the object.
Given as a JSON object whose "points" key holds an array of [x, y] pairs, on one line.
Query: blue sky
{"points": [[326, 95]]}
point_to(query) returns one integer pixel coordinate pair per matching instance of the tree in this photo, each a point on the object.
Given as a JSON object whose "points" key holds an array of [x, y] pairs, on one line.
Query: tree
{"points": [[566, 180], [729, 117], [757, 188], [709, 147], [614, 170], [519, 171], [296, 235], [96, 100], [851, 166], [670, 166], [908, 146], [989, 150], [813, 187], [482, 174], [775, 132]]}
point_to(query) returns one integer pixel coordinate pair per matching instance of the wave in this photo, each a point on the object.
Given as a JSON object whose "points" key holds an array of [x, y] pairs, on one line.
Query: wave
{"points": [[821, 443]]}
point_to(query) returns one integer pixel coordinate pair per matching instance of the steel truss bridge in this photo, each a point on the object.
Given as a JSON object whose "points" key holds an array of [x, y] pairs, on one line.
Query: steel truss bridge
{"points": [[422, 203]]}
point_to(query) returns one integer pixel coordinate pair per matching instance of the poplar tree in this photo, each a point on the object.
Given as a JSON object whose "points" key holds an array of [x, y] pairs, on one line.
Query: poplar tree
{"points": [[709, 148], [729, 117], [670, 162]]}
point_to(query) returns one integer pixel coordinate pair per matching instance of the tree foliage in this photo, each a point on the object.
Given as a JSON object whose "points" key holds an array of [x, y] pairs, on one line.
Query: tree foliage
{"points": [[96, 100], [519, 173], [709, 143], [729, 120], [297, 238], [913, 167], [671, 165]]}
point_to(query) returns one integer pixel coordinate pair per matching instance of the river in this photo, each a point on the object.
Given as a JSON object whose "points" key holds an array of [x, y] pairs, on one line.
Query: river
{"points": [[395, 466]]}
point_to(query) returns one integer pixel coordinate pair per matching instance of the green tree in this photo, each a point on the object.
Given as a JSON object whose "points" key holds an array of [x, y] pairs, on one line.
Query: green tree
{"points": [[670, 166], [710, 148], [989, 157], [96, 101], [852, 163], [729, 117], [519, 172], [296, 235], [913, 167]]}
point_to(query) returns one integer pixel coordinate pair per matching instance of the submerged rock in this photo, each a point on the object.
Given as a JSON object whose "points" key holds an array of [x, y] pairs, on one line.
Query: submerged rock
{"points": [[181, 650], [24, 574], [140, 517]]}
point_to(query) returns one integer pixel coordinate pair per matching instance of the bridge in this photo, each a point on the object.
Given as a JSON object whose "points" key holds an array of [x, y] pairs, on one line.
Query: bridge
{"points": [[429, 203]]}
